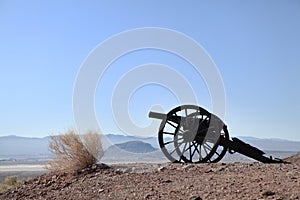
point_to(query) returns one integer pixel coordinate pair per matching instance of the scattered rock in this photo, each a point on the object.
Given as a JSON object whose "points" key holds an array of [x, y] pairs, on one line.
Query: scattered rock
{"points": [[101, 190], [195, 198], [208, 171], [161, 168], [166, 181], [268, 193], [173, 181], [221, 168], [147, 196], [187, 167]]}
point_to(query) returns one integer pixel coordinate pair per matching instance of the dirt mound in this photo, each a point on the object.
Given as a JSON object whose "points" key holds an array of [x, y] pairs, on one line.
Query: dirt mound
{"points": [[294, 159], [167, 181]]}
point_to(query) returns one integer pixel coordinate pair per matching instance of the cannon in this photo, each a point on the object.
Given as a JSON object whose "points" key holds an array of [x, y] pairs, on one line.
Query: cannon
{"points": [[191, 134]]}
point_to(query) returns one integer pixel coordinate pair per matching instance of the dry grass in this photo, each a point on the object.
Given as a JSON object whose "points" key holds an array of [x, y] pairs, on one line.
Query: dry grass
{"points": [[73, 152], [9, 182]]}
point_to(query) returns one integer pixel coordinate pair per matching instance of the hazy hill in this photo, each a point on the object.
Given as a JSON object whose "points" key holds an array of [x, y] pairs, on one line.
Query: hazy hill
{"points": [[111, 139], [12, 146], [135, 147], [132, 151]]}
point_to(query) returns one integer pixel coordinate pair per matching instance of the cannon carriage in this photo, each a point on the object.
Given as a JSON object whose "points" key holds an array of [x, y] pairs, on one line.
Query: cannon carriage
{"points": [[191, 134]]}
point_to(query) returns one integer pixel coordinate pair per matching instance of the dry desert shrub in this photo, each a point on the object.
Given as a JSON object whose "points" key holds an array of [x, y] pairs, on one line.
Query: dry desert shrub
{"points": [[73, 152], [9, 182]]}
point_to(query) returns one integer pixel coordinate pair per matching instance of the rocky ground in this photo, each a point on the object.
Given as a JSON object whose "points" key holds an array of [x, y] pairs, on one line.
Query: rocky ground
{"points": [[167, 181], [293, 159]]}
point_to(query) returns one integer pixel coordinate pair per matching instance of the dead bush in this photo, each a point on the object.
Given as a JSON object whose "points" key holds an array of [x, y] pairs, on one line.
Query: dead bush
{"points": [[73, 152], [10, 182]]}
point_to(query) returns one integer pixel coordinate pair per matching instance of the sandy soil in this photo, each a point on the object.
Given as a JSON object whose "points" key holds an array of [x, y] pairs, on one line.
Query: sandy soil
{"points": [[23, 172], [7, 168], [167, 181]]}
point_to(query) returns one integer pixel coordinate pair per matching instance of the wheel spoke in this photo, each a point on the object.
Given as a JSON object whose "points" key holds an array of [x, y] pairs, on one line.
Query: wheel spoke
{"points": [[171, 124], [205, 150], [186, 112], [186, 149], [177, 147], [173, 141], [168, 133], [202, 121], [183, 150], [207, 146], [194, 149], [199, 152], [190, 152], [181, 131]]}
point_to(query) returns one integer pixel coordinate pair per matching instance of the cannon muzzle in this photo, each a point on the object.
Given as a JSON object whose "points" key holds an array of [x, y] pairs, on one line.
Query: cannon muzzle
{"points": [[157, 115]]}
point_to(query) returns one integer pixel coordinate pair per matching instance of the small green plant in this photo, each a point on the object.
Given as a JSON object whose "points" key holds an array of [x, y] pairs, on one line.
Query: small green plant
{"points": [[73, 152], [10, 182]]}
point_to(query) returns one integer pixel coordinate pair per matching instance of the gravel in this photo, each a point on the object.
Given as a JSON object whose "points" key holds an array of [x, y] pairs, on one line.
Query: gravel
{"points": [[167, 181]]}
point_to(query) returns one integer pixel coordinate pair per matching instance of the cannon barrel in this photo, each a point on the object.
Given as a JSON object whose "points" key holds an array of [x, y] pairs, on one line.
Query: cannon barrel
{"points": [[164, 117], [157, 115]]}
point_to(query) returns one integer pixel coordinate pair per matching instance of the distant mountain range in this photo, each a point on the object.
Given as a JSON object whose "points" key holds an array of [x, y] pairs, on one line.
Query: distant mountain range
{"points": [[272, 144], [15, 146]]}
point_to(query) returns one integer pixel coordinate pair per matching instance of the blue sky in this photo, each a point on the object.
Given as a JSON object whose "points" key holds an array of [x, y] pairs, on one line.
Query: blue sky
{"points": [[255, 45]]}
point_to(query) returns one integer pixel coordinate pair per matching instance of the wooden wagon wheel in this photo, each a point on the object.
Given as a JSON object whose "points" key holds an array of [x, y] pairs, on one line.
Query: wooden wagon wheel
{"points": [[221, 150], [188, 135]]}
